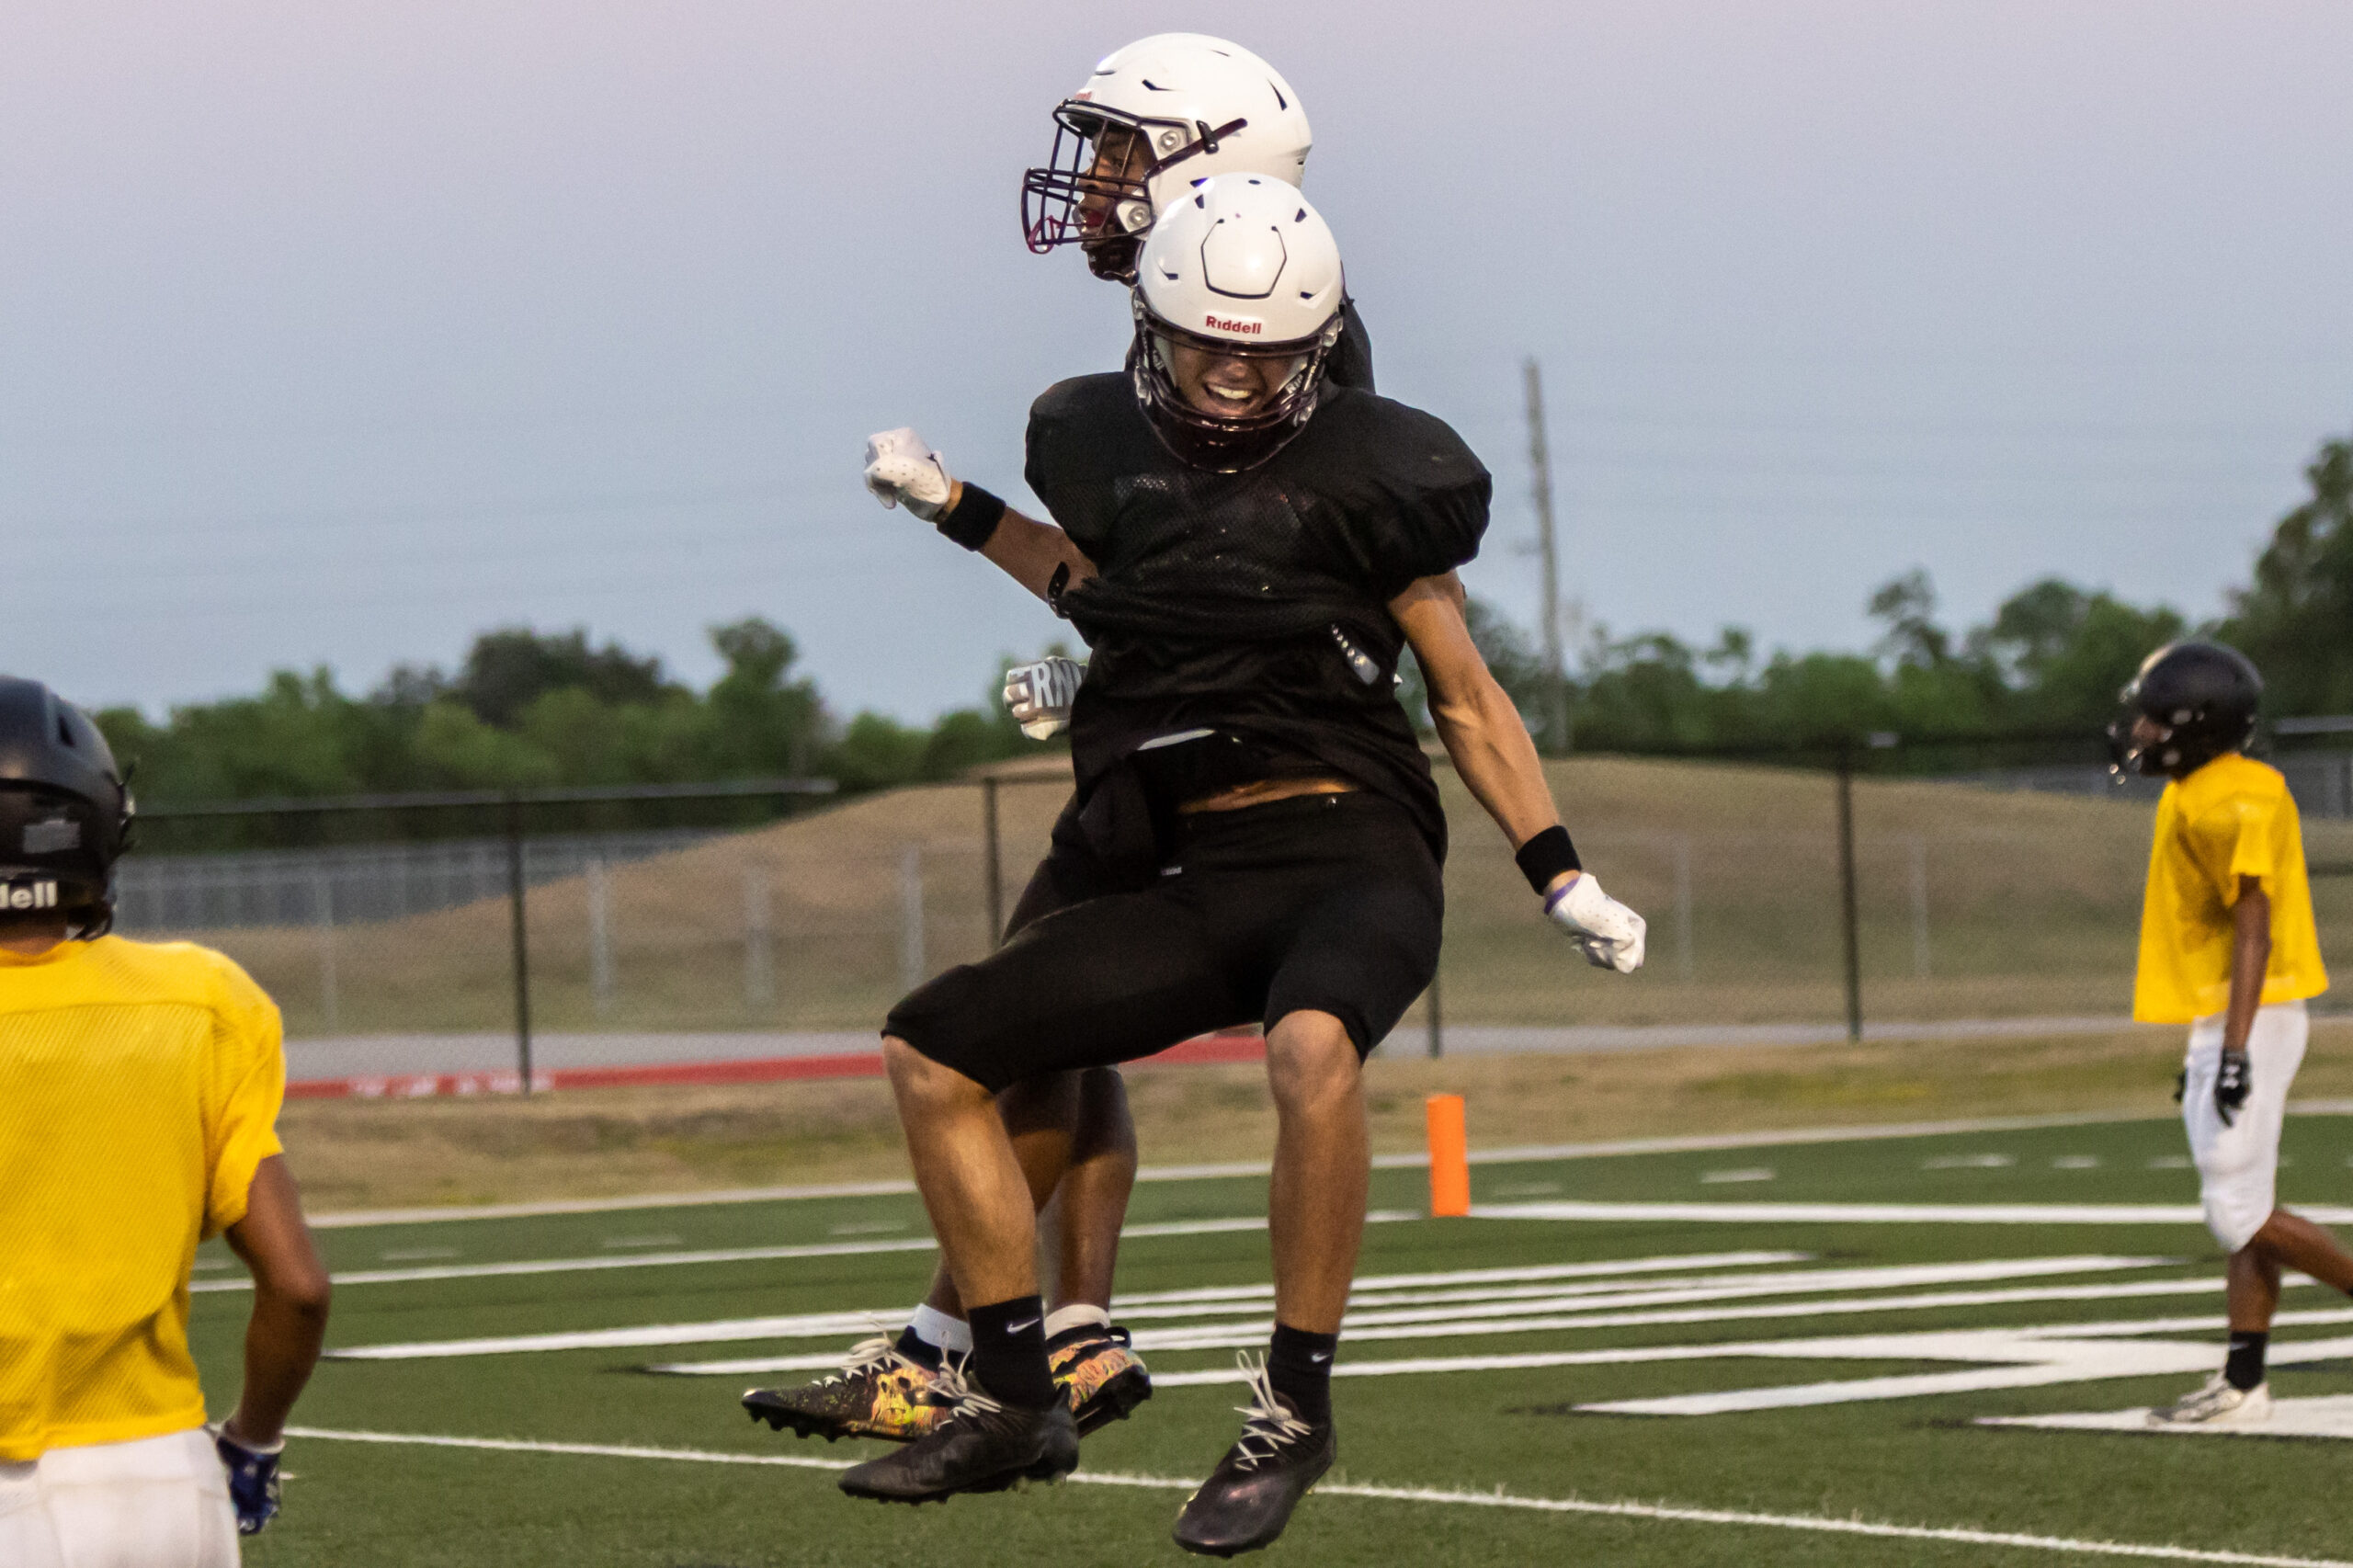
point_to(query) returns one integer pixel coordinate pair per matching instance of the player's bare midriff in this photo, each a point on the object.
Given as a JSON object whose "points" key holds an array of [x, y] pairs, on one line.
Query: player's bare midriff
{"points": [[1261, 791]]}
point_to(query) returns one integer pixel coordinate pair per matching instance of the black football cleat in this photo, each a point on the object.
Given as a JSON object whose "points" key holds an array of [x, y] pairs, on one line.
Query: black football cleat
{"points": [[1104, 1379], [981, 1446], [1247, 1500]]}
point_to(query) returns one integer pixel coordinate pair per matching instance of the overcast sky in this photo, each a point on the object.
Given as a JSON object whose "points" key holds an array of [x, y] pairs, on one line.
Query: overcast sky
{"points": [[334, 334]]}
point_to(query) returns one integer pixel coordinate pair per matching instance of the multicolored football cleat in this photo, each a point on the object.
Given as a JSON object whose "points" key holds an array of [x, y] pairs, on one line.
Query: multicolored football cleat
{"points": [[878, 1393], [981, 1446], [1105, 1378]]}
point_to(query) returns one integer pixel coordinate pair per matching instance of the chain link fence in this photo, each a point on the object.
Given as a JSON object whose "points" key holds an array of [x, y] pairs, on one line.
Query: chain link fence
{"points": [[399, 937]]}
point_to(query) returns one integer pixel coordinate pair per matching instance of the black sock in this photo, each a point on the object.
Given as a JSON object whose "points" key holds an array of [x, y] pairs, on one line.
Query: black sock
{"points": [[2245, 1368], [918, 1349], [1299, 1366], [1009, 1352]]}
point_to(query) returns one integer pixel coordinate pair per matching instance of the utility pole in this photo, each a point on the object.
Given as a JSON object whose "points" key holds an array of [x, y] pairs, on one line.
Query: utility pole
{"points": [[1556, 677]]}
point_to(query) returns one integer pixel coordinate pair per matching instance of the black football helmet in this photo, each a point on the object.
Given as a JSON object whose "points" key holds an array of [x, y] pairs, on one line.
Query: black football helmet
{"points": [[65, 811], [2200, 696]]}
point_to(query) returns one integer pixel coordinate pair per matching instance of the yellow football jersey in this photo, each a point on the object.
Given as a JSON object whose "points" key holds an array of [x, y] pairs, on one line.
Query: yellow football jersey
{"points": [[2230, 819], [140, 1086]]}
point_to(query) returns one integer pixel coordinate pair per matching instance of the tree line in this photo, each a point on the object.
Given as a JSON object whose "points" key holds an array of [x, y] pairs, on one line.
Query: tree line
{"points": [[528, 709]]}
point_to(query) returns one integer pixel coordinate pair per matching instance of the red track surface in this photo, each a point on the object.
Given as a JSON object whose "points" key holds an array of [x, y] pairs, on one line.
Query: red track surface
{"points": [[760, 1070]]}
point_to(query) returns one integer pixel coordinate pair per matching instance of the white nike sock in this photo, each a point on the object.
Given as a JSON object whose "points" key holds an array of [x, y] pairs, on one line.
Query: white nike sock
{"points": [[1076, 1314], [941, 1331]]}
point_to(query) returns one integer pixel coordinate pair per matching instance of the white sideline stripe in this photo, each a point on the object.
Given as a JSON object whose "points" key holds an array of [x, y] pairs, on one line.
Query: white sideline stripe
{"points": [[1525, 1154], [1888, 1213], [742, 1255], [1497, 1499], [812, 1324]]}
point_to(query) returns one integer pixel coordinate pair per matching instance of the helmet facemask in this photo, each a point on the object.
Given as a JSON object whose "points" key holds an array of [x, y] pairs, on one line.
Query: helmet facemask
{"points": [[1226, 443], [1096, 190]]}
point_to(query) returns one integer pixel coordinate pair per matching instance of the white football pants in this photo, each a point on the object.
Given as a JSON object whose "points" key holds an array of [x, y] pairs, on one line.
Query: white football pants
{"points": [[2238, 1166], [153, 1503]]}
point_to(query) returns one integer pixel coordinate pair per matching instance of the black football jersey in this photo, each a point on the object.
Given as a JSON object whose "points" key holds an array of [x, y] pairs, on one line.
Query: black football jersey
{"points": [[1254, 604]]}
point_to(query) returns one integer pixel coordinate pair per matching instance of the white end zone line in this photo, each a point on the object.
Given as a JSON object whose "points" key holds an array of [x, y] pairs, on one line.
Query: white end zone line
{"points": [[1660, 1512]]}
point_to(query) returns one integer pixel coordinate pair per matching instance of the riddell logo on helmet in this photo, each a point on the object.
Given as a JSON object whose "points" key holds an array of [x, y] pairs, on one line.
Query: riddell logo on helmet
{"points": [[29, 895], [1235, 323]]}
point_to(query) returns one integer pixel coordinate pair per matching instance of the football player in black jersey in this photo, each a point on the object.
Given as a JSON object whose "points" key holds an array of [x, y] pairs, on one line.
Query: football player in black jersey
{"points": [[1248, 551], [1150, 123]]}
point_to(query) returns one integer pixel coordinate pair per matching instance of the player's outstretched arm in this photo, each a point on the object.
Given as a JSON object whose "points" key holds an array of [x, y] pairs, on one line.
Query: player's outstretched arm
{"points": [[903, 471], [1490, 746]]}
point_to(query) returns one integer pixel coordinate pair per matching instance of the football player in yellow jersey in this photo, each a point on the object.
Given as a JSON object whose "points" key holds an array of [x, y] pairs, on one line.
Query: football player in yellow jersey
{"points": [[140, 1086], [2228, 945]]}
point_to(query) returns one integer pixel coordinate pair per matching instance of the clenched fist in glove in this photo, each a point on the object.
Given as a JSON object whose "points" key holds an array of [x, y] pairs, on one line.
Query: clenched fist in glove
{"points": [[903, 471], [1609, 934], [1039, 696]]}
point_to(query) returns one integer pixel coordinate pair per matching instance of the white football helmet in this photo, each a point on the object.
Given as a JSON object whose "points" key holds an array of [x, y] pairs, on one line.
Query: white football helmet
{"points": [[1156, 118], [1243, 269]]}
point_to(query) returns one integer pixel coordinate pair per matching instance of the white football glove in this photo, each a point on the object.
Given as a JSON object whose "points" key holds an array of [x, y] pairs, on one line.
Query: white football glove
{"points": [[1609, 934], [1040, 695], [903, 471]]}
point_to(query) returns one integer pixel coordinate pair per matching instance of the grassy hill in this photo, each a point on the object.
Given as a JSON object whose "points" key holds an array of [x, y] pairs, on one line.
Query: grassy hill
{"points": [[2031, 905]]}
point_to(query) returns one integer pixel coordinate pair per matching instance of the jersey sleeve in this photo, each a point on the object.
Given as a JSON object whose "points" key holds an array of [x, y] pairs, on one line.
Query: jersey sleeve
{"points": [[1063, 452], [2238, 838], [1434, 510], [249, 1042]]}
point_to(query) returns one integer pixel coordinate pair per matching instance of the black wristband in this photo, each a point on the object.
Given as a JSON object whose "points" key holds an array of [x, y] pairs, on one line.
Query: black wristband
{"points": [[973, 517], [1546, 856]]}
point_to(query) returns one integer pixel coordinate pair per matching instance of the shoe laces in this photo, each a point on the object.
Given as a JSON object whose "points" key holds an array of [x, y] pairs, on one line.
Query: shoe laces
{"points": [[1267, 1425], [869, 1358], [954, 1387]]}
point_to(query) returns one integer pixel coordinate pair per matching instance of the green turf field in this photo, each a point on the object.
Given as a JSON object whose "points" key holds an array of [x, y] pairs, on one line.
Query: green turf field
{"points": [[1454, 1463]]}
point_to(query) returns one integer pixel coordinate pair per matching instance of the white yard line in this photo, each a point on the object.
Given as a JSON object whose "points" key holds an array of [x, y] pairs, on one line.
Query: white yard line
{"points": [[1458, 1318], [1524, 1154], [1253, 1334], [743, 1254], [1432, 1496], [1885, 1213], [1246, 1335]]}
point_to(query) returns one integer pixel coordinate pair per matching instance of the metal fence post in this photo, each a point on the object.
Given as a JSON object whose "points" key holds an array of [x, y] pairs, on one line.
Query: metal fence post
{"points": [[600, 937], [1851, 918], [760, 947], [911, 963], [520, 932], [1682, 907], [1920, 906], [992, 870], [323, 910]]}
